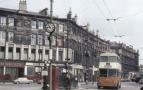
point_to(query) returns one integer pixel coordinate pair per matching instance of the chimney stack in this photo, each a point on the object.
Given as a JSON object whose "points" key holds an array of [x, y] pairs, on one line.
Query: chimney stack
{"points": [[87, 26], [69, 15], [97, 32], [75, 18], [23, 6]]}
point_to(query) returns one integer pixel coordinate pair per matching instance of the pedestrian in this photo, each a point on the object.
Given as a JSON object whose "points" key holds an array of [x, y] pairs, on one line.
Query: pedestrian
{"points": [[141, 88]]}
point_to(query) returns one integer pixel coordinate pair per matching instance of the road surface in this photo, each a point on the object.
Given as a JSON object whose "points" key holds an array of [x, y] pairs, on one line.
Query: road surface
{"points": [[82, 86]]}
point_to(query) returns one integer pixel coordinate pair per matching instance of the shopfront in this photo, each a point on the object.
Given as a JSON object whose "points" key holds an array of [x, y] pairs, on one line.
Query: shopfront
{"points": [[10, 70]]}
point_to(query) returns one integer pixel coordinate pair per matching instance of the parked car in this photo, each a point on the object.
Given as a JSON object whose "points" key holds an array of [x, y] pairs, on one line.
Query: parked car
{"points": [[40, 81], [22, 80], [141, 81]]}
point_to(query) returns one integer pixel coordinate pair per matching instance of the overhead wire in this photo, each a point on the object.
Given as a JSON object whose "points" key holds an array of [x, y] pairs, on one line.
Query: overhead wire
{"points": [[102, 13], [112, 18], [107, 8], [98, 7]]}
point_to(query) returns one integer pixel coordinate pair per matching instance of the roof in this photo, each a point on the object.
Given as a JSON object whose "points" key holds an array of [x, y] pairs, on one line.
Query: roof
{"points": [[29, 13]]}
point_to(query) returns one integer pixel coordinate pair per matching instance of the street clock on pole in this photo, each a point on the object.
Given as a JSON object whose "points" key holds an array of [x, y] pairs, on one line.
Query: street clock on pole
{"points": [[50, 27]]}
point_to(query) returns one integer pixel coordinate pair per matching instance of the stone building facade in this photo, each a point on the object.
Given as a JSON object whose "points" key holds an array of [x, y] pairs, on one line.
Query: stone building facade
{"points": [[24, 45], [129, 57]]}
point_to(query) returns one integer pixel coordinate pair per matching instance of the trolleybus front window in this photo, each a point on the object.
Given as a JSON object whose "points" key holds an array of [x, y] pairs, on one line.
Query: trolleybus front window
{"points": [[104, 59], [112, 59], [112, 72], [103, 72]]}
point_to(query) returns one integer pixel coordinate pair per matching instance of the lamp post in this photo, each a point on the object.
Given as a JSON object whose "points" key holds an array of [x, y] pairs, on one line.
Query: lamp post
{"points": [[67, 73], [50, 28]]}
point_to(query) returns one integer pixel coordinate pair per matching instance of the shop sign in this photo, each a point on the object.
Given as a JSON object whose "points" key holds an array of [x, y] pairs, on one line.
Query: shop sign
{"points": [[12, 64]]}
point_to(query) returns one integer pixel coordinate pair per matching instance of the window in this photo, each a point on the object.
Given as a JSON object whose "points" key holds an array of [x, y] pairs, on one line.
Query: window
{"points": [[112, 59], [40, 25], [33, 51], [25, 53], [60, 42], [46, 41], [30, 70], [46, 54], [10, 36], [54, 40], [112, 73], [33, 24], [18, 53], [46, 51], [17, 50], [60, 55], [40, 39], [2, 52], [10, 53], [11, 21], [33, 54], [33, 39], [2, 37], [103, 59], [2, 20], [103, 72], [61, 28], [40, 54]]}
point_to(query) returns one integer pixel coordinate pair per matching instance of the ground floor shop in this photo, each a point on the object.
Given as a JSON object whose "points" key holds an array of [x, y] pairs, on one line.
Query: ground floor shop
{"points": [[11, 69]]}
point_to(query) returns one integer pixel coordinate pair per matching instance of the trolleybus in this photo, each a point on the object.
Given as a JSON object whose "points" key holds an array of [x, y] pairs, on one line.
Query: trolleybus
{"points": [[109, 70]]}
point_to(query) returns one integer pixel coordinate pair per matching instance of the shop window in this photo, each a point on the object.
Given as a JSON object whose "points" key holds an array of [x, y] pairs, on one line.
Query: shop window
{"points": [[30, 70]]}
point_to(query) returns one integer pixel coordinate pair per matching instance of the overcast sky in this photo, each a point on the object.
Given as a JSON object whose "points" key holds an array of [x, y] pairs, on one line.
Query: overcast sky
{"points": [[129, 14]]}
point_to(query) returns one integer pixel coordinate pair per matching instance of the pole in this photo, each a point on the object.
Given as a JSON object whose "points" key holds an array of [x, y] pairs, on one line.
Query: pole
{"points": [[45, 87], [4, 68], [67, 57], [50, 53], [51, 10]]}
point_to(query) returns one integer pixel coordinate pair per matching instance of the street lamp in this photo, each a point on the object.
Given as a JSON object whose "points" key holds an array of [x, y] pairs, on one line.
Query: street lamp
{"points": [[50, 28]]}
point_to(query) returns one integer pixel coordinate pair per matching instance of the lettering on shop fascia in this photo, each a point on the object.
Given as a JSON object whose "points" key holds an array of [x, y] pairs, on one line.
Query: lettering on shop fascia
{"points": [[12, 64]]}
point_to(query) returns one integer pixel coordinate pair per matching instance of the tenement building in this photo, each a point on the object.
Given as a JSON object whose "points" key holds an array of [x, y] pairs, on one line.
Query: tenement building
{"points": [[129, 57], [24, 44]]}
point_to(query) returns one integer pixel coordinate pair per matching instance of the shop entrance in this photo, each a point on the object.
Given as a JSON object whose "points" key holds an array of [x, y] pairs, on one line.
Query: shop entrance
{"points": [[20, 72]]}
